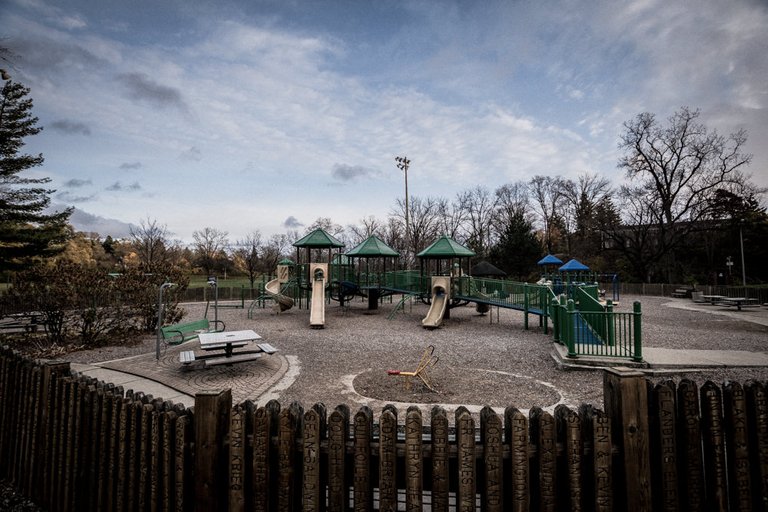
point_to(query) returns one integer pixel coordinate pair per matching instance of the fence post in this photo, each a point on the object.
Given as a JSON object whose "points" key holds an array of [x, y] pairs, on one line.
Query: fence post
{"points": [[569, 334], [625, 396], [526, 306], [637, 354], [610, 327], [212, 417], [555, 309]]}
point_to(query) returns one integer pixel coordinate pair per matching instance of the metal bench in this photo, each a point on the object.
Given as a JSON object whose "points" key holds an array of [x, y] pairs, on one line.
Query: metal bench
{"points": [[187, 357], [176, 334]]}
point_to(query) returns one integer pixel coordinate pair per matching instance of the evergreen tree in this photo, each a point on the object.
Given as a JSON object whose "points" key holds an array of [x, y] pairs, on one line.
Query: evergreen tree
{"points": [[518, 249], [26, 231]]}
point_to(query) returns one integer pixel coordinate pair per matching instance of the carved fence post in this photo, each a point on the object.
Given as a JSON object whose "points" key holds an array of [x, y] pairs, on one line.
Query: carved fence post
{"points": [[212, 411], [626, 403]]}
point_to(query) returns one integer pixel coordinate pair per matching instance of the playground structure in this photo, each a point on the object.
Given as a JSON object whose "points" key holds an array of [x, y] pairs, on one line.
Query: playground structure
{"points": [[571, 308]]}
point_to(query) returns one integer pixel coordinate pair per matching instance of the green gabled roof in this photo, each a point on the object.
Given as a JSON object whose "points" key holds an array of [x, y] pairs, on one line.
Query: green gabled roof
{"points": [[286, 261], [445, 247], [372, 247], [319, 238]]}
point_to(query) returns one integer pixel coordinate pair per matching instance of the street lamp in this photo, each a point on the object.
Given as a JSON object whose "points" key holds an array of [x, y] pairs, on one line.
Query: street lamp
{"points": [[213, 283], [402, 164], [160, 311]]}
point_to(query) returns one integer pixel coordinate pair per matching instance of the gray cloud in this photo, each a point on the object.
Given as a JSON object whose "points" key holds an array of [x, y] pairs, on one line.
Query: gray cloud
{"points": [[119, 187], [68, 197], [292, 223], [130, 165], [193, 154], [90, 223], [75, 183], [142, 88], [71, 127], [344, 172]]}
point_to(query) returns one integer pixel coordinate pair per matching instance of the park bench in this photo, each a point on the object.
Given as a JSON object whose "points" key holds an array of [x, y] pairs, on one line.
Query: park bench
{"points": [[683, 293], [27, 322], [176, 334], [188, 356]]}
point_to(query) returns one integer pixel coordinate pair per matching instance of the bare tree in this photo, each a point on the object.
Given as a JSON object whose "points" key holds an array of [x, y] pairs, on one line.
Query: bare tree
{"points": [[452, 219], [150, 241], [547, 198], [368, 227], [247, 255], [478, 205], [273, 251], [424, 224], [210, 245], [674, 171]]}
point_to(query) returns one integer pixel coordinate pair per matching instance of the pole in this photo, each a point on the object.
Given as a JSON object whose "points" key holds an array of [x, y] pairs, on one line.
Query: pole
{"points": [[402, 164], [743, 268], [160, 311]]}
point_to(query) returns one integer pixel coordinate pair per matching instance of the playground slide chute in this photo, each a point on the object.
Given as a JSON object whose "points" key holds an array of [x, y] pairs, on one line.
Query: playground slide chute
{"points": [[317, 307], [440, 287], [282, 302]]}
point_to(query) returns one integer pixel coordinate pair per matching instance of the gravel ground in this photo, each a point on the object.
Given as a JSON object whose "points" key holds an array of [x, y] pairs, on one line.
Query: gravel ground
{"points": [[481, 361]]}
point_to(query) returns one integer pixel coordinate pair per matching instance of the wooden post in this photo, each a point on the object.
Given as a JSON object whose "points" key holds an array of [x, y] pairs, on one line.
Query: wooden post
{"points": [[517, 438], [338, 434], [491, 435], [212, 411], [440, 447], [363, 490], [467, 470], [414, 459], [313, 497], [388, 459], [626, 402]]}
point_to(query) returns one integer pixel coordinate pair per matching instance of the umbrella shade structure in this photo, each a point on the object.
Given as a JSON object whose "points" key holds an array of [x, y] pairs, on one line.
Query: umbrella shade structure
{"points": [[445, 248], [372, 247], [318, 239], [550, 259], [573, 265], [485, 269]]}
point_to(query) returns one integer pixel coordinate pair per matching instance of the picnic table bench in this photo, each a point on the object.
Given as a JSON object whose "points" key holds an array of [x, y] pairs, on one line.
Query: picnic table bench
{"points": [[176, 334], [683, 293], [27, 322], [739, 302], [228, 342]]}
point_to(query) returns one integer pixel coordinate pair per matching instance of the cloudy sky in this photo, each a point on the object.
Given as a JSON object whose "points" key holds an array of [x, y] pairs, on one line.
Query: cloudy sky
{"points": [[259, 114]]}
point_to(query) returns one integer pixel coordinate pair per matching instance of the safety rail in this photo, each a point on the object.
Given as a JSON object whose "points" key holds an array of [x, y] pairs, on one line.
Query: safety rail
{"points": [[598, 333]]}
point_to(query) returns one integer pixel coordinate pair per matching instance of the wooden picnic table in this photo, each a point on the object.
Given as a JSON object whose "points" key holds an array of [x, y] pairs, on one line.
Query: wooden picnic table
{"points": [[738, 302], [228, 341]]}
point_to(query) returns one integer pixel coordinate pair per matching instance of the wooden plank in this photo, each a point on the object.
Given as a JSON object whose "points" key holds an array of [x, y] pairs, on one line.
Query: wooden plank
{"points": [[467, 470], [182, 464], [544, 437], [338, 434], [737, 439], [414, 460], [626, 402], [757, 407], [145, 456], [602, 460], [388, 459], [289, 421], [261, 474], [187, 356], [212, 410], [692, 485], [491, 435], [664, 437], [236, 358], [363, 491], [236, 465], [713, 434], [313, 497], [570, 436], [440, 460], [517, 439], [267, 348]]}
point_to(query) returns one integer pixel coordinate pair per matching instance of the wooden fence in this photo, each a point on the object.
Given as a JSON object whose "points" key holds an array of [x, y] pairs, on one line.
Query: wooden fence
{"points": [[72, 443]]}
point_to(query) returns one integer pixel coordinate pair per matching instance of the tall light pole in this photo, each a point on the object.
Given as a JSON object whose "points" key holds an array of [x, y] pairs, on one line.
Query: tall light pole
{"points": [[402, 164]]}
